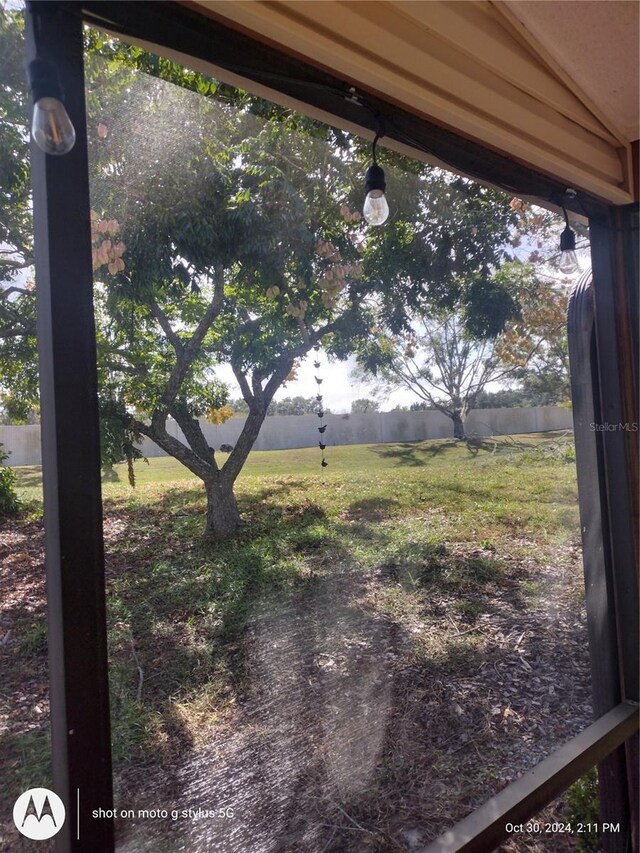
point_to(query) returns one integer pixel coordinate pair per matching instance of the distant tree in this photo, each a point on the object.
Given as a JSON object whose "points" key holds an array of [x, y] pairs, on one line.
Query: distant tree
{"points": [[528, 392], [295, 406], [545, 385], [505, 398], [536, 345], [443, 365], [239, 406], [449, 357], [364, 405]]}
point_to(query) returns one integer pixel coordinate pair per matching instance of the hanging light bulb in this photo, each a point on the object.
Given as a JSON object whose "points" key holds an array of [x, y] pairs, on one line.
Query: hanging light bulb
{"points": [[568, 259], [51, 127], [376, 208]]}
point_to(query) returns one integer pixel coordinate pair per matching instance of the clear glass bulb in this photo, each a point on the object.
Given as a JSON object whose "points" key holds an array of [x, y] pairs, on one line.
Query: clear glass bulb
{"points": [[51, 127], [568, 262], [376, 209]]}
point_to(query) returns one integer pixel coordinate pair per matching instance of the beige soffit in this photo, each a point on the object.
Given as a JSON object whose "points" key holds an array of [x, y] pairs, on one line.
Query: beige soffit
{"points": [[595, 45], [467, 66]]}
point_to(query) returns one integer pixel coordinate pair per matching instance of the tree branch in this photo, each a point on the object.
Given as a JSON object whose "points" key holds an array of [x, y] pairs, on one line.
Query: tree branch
{"points": [[247, 396], [16, 265], [165, 325], [190, 350], [194, 435], [7, 291], [243, 445], [157, 432]]}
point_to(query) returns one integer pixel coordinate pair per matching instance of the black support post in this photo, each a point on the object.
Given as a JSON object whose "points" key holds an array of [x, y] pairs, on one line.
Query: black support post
{"points": [[71, 452], [594, 524], [615, 282]]}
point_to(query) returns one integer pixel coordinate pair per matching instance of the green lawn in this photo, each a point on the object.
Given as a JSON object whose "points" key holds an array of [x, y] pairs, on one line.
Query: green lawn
{"points": [[419, 535], [512, 478], [476, 493]]}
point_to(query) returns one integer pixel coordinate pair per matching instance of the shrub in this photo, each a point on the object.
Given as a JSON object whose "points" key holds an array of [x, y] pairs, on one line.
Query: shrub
{"points": [[583, 806], [9, 503]]}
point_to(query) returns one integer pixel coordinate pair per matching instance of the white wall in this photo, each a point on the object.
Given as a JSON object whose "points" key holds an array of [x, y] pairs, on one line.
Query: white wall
{"points": [[22, 443], [287, 431]]}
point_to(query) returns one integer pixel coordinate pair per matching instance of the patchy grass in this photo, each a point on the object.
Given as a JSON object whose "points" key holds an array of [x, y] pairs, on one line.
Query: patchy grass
{"points": [[408, 590], [439, 454]]}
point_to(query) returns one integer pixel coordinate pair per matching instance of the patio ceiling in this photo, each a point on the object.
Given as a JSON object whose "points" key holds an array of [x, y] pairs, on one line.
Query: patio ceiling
{"points": [[596, 46], [552, 85]]}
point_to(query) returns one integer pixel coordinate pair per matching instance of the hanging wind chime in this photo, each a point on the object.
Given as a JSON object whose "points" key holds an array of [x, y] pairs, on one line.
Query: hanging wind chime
{"points": [[320, 411], [375, 212]]}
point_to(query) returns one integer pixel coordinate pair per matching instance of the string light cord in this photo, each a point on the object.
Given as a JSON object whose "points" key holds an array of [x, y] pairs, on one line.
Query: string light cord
{"points": [[380, 132], [346, 92]]}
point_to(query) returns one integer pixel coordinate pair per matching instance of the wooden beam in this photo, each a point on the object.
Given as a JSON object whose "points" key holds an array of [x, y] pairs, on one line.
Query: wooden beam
{"points": [[259, 66], [485, 828]]}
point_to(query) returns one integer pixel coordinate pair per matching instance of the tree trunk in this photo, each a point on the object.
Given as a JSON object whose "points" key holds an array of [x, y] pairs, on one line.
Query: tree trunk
{"points": [[458, 425], [223, 517]]}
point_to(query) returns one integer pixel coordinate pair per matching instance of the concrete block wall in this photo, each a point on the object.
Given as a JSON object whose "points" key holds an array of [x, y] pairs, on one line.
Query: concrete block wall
{"points": [[22, 443], [283, 432]]}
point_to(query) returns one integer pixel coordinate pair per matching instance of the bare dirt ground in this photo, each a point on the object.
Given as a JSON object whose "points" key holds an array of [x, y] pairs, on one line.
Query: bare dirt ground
{"points": [[344, 739]]}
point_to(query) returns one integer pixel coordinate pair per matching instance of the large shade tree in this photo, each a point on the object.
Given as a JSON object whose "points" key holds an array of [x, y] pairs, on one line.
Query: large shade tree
{"points": [[226, 231], [18, 365], [236, 245]]}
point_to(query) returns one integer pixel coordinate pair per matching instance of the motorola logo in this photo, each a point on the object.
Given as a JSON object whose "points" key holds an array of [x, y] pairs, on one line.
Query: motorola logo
{"points": [[39, 813]]}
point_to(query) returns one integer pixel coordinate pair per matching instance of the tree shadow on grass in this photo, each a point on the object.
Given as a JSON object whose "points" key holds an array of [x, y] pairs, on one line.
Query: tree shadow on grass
{"points": [[370, 509], [297, 699], [347, 732], [182, 500], [436, 572], [185, 615], [415, 454], [313, 661], [180, 613], [278, 488]]}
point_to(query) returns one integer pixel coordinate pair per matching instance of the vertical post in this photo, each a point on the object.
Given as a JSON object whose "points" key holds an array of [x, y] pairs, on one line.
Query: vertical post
{"points": [[71, 452], [615, 282], [615, 279], [594, 524]]}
